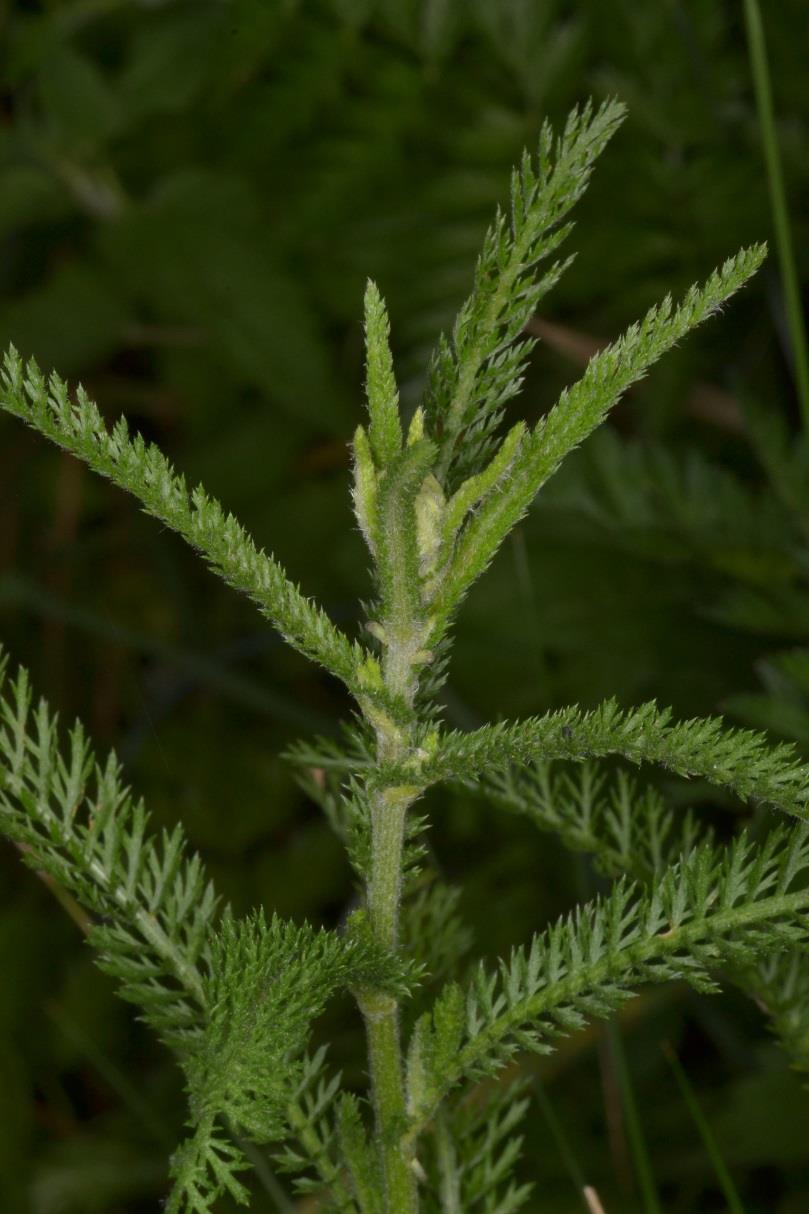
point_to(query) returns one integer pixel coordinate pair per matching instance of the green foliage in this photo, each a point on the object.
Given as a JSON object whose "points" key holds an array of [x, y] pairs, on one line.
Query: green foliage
{"points": [[434, 932], [152, 908], [360, 1157], [738, 760], [631, 831], [143, 470], [780, 985], [312, 1116], [578, 412], [398, 540], [385, 431], [627, 829], [237, 998], [234, 999], [475, 1150], [266, 983], [714, 906], [480, 369]]}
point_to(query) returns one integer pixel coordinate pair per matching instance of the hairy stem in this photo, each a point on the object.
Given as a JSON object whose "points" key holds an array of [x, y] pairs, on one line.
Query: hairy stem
{"points": [[448, 1169], [381, 1013], [389, 811], [380, 1009]]}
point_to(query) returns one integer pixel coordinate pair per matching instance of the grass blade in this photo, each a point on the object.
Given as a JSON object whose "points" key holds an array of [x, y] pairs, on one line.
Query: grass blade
{"points": [[723, 1175], [757, 49], [637, 1142], [566, 1152]]}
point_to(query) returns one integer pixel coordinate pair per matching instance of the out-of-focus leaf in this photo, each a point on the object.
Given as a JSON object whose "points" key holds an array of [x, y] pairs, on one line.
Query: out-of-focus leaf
{"points": [[81, 108], [201, 252], [76, 317], [170, 61]]}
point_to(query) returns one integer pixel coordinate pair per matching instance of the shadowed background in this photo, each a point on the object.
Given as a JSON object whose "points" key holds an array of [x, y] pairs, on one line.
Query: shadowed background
{"points": [[191, 198]]}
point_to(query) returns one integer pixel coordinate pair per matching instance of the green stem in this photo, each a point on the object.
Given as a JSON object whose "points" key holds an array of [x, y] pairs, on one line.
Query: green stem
{"points": [[381, 1013], [723, 1175], [757, 48], [402, 629], [644, 1173], [388, 814], [448, 1168], [380, 1009]]}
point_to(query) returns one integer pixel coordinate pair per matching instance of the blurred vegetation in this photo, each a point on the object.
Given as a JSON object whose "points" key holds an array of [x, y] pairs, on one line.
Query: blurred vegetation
{"points": [[191, 197]]}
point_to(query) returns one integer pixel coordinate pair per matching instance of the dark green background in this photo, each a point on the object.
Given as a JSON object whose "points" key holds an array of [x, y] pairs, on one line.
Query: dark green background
{"points": [[191, 198]]}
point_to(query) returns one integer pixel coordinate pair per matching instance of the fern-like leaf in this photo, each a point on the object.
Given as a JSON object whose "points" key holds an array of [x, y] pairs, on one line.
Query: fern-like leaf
{"points": [[266, 983], [311, 1154], [717, 905], [579, 410], [475, 1147], [740, 761], [152, 907], [627, 829], [143, 470], [780, 986], [631, 831], [475, 373], [234, 1001]]}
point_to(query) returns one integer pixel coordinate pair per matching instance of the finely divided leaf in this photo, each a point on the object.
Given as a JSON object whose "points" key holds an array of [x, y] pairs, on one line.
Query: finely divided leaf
{"points": [[266, 983], [144, 471], [629, 830], [152, 908], [739, 760], [717, 905], [579, 410], [385, 429], [476, 371]]}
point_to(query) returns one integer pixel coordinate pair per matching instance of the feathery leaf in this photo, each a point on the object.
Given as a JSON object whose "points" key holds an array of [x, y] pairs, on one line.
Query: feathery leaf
{"points": [[265, 985], [144, 471], [739, 760], [152, 907], [579, 410], [476, 372], [717, 905], [385, 430]]}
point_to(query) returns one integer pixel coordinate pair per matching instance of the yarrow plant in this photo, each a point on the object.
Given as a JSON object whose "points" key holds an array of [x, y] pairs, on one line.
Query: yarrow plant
{"points": [[235, 998]]}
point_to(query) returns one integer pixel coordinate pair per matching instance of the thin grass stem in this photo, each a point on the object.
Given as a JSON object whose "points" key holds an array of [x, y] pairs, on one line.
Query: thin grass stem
{"points": [[729, 1190], [759, 66], [644, 1172]]}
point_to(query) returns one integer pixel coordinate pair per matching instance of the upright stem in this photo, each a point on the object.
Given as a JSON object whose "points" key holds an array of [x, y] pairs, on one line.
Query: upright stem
{"points": [[387, 1082], [380, 1009], [388, 815], [448, 1169]]}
